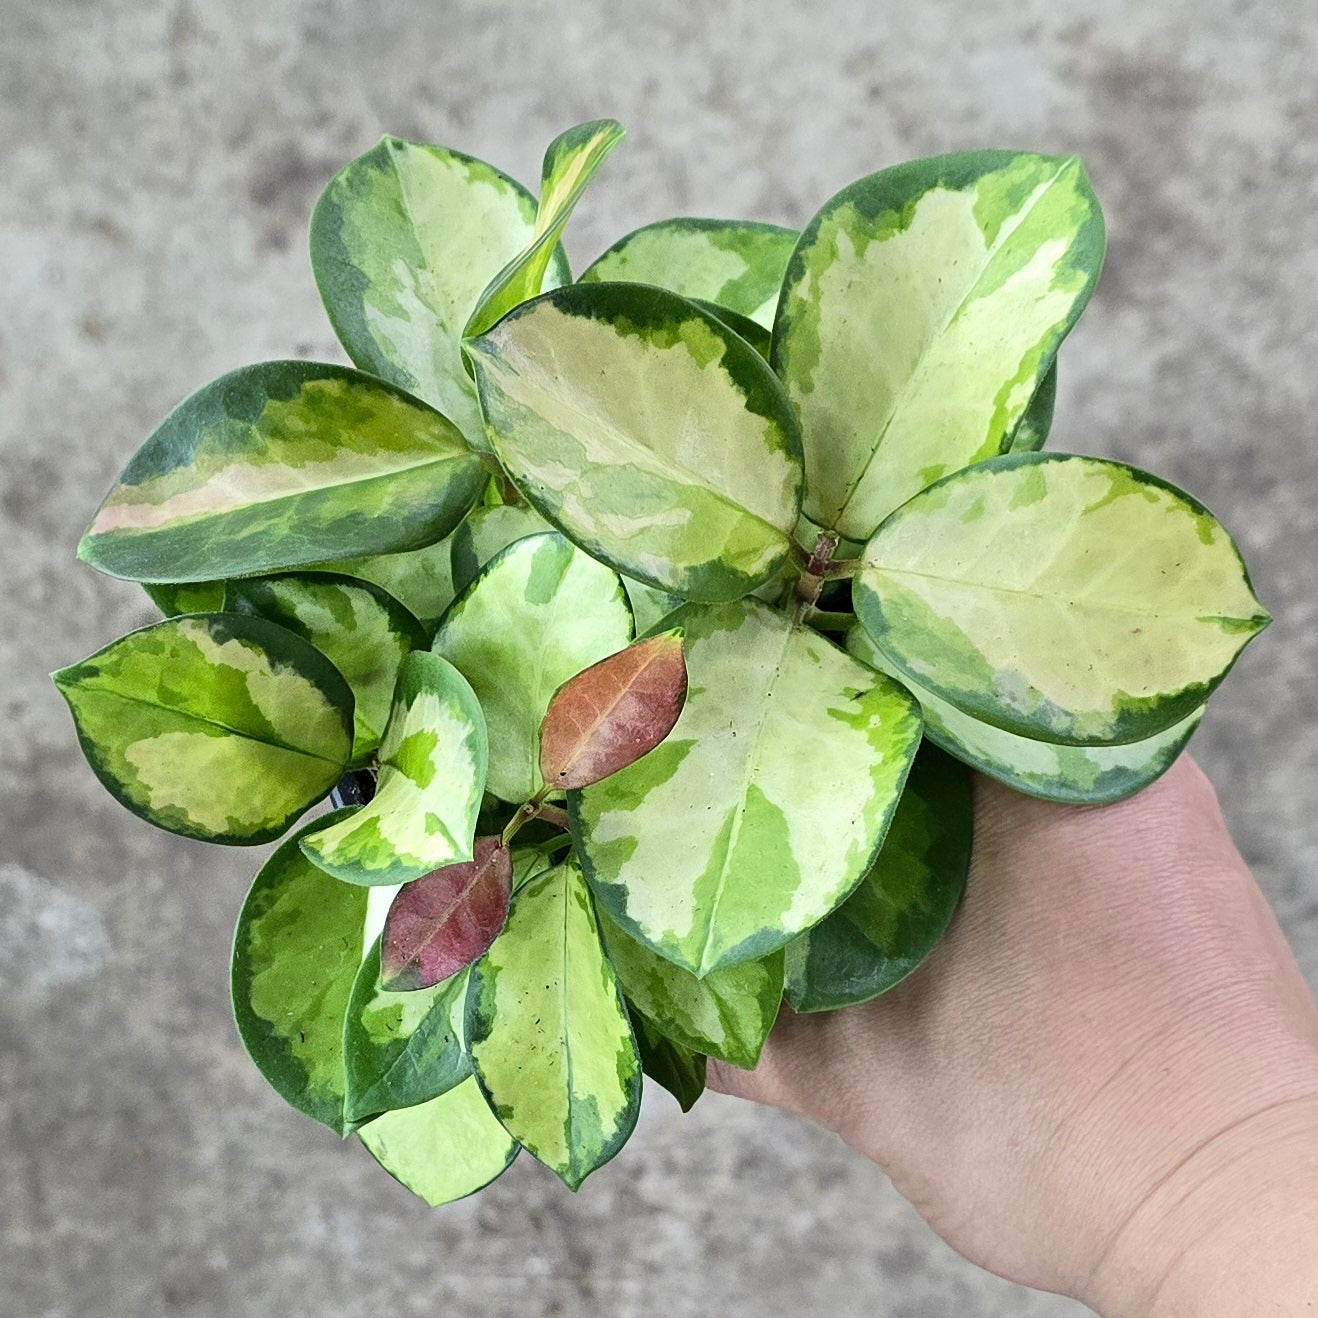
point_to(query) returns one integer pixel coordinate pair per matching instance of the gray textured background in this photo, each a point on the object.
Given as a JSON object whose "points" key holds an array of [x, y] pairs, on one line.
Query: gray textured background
{"points": [[158, 161]]}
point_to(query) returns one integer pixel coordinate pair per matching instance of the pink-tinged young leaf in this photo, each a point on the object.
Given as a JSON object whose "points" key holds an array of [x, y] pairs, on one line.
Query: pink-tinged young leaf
{"points": [[442, 922], [614, 712]]}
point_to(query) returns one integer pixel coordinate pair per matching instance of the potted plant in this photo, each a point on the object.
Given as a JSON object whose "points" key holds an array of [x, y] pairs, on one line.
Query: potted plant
{"points": [[642, 625]]}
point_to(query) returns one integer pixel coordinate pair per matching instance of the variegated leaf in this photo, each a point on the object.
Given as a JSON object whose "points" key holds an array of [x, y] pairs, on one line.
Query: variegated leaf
{"points": [[439, 924], [921, 309], [421, 580], [649, 605], [1077, 775], [362, 630], [572, 160], [188, 597], [719, 846], [737, 264], [1031, 432], [215, 726], [279, 465], [432, 775], [445, 1149], [727, 1014], [486, 533], [617, 710], [538, 613], [401, 1049], [403, 242], [902, 907], [678, 1069], [548, 1033], [1062, 598], [648, 432], [757, 335], [296, 954]]}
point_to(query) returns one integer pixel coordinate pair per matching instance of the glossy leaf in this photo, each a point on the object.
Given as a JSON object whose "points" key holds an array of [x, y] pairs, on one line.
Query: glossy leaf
{"points": [[727, 1014], [296, 954], [1031, 432], [363, 631], [901, 908], [280, 465], [439, 924], [486, 533], [921, 309], [215, 726], [432, 775], [445, 1149], [1077, 775], [548, 1033], [617, 710], [1062, 598], [404, 241], [572, 160], [678, 1069], [401, 1049], [738, 264], [421, 580], [539, 613], [187, 597], [763, 807], [648, 432]]}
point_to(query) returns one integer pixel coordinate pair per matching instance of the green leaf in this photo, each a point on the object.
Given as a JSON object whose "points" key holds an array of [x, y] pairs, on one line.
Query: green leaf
{"points": [[738, 264], [215, 726], [421, 580], [902, 907], [296, 954], [921, 309], [279, 465], [727, 1014], [403, 242], [760, 338], [1062, 598], [678, 1069], [187, 597], [445, 1149], [362, 630], [1031, 432], [764, 806], [432, 776], [486, 533], [538, 613], [549, 1035], [649, 606], [401, 1049], [1076, 775], [617, 710], [647, 431], [572, 160]]}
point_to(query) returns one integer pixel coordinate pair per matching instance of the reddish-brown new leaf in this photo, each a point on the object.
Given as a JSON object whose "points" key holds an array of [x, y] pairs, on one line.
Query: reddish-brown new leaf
{"points": [[619, 709], [445, 920]]}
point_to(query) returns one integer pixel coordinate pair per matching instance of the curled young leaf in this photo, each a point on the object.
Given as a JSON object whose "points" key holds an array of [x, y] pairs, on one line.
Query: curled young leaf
{"points": [[619, 709], [440, 923]]}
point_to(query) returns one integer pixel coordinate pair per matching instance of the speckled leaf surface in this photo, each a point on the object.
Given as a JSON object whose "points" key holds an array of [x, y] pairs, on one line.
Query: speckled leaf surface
{"points": [[216, 726], [281, 465], [362, 630], [1077, 775], [614, 712], [718, 847], [421, 580], [486, 533], [572, 160], [538, 613], [1062, 598], [445, 1149], [432, 775], [404, 241], [548, 1033], [902, 907], [1031, 432], [440, 923], [646, 430], [401, 1049], [296, 954], [667, 1063], [921, 309], [727, 1014], [738, 264]]}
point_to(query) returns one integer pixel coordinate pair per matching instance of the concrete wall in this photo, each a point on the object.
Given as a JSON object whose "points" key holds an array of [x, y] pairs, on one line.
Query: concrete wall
{"points": [[158, 161]]}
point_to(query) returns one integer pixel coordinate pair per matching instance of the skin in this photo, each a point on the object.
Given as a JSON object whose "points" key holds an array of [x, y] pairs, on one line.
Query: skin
{"points": [[1105, 1080]]}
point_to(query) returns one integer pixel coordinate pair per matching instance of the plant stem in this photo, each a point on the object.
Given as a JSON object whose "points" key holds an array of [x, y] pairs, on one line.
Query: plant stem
{"points": [[526, 812], [828, 621], [555, 815]]}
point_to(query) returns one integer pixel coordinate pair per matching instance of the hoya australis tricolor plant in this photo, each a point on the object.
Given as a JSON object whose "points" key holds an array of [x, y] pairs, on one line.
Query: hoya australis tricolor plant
{"points": [[642, 627]]}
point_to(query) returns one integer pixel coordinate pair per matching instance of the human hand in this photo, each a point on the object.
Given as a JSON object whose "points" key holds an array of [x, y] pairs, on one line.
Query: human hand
{"points": [[1104, 1082]]}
